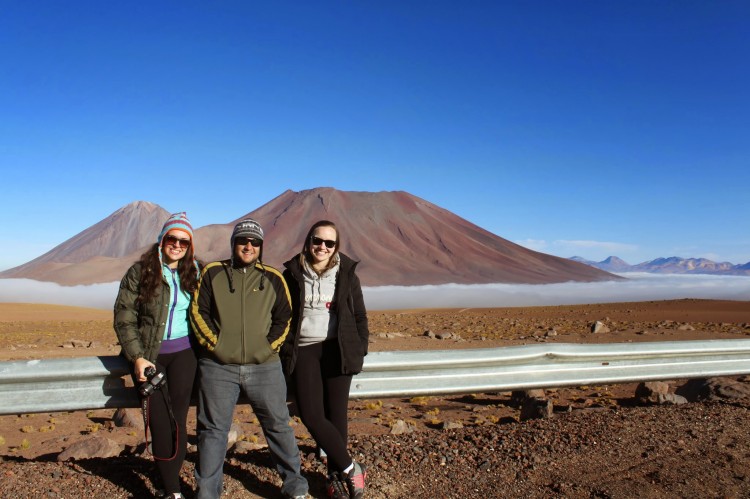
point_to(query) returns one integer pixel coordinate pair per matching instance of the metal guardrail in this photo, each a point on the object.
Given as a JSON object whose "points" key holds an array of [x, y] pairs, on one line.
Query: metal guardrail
{"points": [[97, 382]]}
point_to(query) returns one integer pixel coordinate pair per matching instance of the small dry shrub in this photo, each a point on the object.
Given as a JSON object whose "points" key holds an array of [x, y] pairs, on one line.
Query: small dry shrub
{"points": [[374, 405], [420, 400]]}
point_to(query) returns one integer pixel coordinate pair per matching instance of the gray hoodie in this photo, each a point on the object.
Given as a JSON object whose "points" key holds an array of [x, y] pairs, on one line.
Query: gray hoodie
{"points": [[318, 321]]}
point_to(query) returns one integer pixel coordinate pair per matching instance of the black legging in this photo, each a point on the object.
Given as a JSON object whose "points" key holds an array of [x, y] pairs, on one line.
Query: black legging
{"points": [[180, 369], [322, 395]]}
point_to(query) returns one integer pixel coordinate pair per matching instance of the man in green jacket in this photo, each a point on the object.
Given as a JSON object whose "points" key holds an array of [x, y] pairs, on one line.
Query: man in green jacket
{"points": [[240, 316]]}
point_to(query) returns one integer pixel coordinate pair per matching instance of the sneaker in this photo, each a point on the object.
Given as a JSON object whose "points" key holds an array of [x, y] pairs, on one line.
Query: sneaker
{"points": [[335, 487], [355, 481], [163, 495]]}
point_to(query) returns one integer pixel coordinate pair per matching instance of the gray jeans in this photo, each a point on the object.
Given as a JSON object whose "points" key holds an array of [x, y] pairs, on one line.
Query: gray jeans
{"points": [[264, 386]]}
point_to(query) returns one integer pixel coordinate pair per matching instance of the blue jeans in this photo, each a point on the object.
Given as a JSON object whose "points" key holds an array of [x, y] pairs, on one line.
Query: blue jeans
{"points": [[265, 388]]}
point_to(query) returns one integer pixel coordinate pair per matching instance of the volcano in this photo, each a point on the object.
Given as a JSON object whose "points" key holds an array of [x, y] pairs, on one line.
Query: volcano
{"points": [[400, 239]]}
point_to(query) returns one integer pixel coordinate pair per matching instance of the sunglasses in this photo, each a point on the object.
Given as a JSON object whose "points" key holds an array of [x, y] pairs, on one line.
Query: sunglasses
{"points": [[176, 241], [242, 241], [316, 241]]}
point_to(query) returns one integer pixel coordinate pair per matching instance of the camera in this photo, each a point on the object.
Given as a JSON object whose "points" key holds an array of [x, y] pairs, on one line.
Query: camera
{"points": [[154, 381]]}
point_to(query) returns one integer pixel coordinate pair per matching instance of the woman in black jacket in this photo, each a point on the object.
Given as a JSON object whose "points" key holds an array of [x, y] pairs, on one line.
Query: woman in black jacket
{"points": [[325, 347]]}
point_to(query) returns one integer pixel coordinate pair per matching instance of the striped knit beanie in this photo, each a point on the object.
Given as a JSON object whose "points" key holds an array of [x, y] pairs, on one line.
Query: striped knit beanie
{"points": [[246, 228], [176, 221]]}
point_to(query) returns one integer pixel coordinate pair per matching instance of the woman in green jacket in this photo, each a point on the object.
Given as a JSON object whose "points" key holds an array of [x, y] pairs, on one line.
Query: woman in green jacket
{"points": [[150, 319]]}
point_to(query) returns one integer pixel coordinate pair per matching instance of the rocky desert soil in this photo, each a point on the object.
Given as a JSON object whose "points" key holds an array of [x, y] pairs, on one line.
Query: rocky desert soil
{"points": [[597, 441]]}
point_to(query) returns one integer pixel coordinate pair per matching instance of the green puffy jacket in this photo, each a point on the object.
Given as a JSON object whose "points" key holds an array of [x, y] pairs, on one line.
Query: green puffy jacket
{"points": [[140, 326]]}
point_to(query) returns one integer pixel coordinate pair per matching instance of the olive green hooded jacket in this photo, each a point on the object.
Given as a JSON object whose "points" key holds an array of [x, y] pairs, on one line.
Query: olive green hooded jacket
{"points": [[241, 315]]}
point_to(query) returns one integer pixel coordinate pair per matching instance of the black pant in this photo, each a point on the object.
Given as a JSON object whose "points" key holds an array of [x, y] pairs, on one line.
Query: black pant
{"points": [[322, 395], [179, 368]]}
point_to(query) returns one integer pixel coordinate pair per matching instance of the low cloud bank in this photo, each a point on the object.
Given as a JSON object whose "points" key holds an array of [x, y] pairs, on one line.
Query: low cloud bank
{"points": [[29, 291], [637, 287]]}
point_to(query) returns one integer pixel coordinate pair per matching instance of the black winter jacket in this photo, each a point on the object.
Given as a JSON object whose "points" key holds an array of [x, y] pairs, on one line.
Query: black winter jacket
{"points": [[349, 306]]}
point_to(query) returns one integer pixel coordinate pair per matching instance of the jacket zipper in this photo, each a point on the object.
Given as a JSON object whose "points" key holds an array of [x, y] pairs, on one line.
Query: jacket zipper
{"points": [[242, 317], [174, 305]]}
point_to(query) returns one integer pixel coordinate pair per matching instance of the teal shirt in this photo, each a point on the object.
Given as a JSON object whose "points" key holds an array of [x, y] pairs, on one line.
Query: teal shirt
{"points": [[179, 302]]}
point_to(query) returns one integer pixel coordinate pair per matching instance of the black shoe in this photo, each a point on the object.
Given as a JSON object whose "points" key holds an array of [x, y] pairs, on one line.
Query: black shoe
{"points": [[335, 487]]}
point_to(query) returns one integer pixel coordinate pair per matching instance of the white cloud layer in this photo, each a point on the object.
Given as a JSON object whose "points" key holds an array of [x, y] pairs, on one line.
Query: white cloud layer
{"points": [[29, 291], [637, 287]]}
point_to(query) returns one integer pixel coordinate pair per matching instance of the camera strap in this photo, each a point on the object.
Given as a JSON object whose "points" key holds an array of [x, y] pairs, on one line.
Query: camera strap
{"points": [[146, 410]]}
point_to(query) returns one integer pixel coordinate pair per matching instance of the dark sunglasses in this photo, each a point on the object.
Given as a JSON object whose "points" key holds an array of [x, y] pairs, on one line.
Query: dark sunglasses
{"points": [[242, 241], [176, 241], [316, 241]]}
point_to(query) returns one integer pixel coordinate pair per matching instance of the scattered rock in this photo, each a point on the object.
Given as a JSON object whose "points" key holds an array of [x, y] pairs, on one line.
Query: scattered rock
{"points": [[78, 344], [599, 327], [128, 418], [234, 434], [389, 336], [451, 425], [649, 392], [536, 408], [400, 427], [243, 447], [517, 397], [91, 447], [713, 389], [671, 399]]}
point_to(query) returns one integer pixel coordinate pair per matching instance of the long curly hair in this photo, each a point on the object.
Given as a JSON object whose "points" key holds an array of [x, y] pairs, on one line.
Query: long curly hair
{"points": [[151, 276]]}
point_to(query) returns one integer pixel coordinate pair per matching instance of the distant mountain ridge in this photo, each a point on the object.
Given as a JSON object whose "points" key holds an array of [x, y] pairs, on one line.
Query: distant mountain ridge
{"points": [[399, 239], [670, 265], [88, 256]]}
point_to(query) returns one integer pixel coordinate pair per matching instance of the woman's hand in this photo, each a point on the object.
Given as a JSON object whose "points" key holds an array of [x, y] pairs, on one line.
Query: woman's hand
{"points": [[141, 365]]}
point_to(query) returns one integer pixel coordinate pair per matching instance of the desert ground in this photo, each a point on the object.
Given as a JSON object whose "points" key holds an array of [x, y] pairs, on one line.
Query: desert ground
{"points": [[599, 442]]}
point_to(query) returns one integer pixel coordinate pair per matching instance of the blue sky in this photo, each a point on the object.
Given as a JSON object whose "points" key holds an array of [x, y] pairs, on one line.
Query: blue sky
{"points": [[572, 127]]}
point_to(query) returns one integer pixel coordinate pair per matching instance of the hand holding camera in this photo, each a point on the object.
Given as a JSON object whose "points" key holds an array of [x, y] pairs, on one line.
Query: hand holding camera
{"points": [[154, 381]]}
